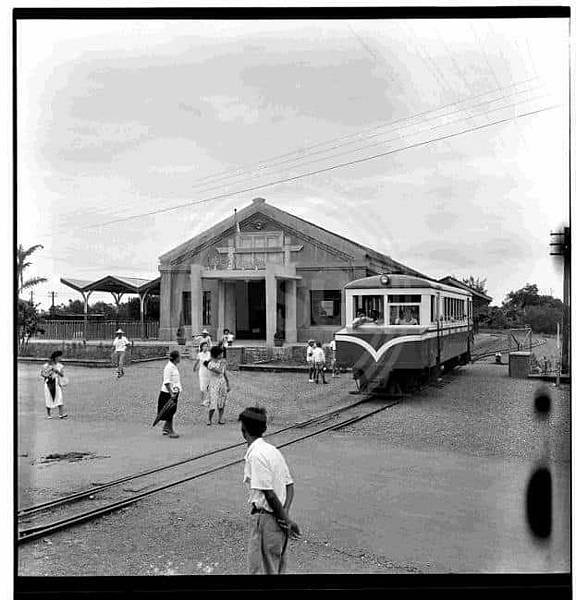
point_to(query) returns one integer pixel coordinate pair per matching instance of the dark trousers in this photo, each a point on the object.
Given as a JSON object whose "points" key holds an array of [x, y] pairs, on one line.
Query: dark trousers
{"points": [[168, 415]]}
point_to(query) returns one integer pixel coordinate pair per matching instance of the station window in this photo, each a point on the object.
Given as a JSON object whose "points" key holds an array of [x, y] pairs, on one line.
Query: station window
{"points": [[186, 309], [325, 306], [206, 308], [371, 307]]}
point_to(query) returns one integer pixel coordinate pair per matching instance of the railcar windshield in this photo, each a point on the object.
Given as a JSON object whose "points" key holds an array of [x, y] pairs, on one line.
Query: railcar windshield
{"points": [[369, 309], [404, 309]]}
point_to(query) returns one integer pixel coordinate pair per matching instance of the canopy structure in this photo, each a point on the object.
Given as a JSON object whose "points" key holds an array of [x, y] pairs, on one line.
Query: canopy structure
{"points": [[117, 286]]}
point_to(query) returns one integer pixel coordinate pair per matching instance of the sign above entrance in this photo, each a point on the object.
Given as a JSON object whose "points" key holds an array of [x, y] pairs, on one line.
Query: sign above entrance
{"points": [[253, 250]]}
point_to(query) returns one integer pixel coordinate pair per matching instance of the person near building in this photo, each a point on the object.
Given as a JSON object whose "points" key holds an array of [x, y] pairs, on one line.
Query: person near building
{"points": [[319, 360], [202, 357], [205, 337], [310, 360], [218, 385], [53, 374], [333, 361], [169, 393], [271, 492], [120, 343]]}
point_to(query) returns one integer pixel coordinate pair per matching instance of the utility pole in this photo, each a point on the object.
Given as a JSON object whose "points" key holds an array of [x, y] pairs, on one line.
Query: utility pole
{"points": [[52, 307], [32, 297], [561, 247]]}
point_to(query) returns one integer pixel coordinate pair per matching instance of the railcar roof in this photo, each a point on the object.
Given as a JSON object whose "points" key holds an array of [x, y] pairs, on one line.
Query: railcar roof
{"points": [[398, 281]]}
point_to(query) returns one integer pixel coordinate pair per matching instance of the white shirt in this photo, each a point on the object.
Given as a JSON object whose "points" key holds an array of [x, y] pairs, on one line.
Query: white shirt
{"points": [[318, 355], [172, 376], [333, 346], [265, 469], [309, 353], [120, 343]]}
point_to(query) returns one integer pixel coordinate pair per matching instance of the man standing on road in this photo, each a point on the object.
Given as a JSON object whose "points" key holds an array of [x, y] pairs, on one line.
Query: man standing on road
{"points": [[271, 490], [120, 342], [168, 398]]}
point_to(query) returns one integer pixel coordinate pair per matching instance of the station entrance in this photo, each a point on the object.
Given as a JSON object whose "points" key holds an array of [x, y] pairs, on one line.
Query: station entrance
{"points": [[250, 309]]}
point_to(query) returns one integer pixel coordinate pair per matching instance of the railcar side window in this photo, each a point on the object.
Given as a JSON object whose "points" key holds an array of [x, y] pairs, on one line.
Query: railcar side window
{"points": [[370, 308], [408, 314], [454, 309], [404, 309]]}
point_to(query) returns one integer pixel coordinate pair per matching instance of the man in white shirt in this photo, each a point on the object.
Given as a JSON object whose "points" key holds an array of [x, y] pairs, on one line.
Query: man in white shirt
{"points": [[169, 392], [310, 360], [319, 359], [333, 362], [271, 491], [120, 342]]}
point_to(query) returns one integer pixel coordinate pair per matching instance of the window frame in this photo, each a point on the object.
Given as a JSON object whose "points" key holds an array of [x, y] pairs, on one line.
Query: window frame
{"points": [[336, 320]]}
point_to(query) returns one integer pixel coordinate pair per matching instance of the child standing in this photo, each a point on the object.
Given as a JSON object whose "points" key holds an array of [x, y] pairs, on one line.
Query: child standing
{"points": [[319, 359], [310, 360]]}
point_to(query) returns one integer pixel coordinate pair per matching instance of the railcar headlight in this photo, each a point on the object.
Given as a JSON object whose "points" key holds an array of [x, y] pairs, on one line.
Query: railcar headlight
{"points": [[384, 279]]}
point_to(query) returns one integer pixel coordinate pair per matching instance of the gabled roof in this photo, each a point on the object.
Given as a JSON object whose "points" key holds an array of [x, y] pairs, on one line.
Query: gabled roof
{"points": [[299, 225], [113, 283], [449, 280]]}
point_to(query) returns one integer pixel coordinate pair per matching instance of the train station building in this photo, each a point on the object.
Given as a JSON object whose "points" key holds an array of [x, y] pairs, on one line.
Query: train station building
{"points": [[263, 273]]}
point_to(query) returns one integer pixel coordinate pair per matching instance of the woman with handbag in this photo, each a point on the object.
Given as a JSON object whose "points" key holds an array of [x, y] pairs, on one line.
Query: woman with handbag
{"points": [[53, 374]]}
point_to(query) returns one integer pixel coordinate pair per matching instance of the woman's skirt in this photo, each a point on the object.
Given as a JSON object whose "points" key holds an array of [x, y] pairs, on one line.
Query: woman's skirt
{"points": [[217, 393], [52, 394]]}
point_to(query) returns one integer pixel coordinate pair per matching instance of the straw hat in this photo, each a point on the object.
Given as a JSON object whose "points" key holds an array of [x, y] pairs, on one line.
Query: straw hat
{"points": [[119, 331]]}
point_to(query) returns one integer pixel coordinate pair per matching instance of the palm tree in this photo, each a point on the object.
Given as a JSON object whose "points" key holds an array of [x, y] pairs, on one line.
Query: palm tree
{"points": [[22, 264]]}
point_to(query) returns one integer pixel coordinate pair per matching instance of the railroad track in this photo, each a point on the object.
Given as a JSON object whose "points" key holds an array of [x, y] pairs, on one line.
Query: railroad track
{"points": [[506, 350], [50, 517]]}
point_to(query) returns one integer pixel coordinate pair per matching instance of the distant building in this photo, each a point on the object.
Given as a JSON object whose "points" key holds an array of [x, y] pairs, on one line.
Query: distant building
{"points": [[262, 272], [479, 299]]}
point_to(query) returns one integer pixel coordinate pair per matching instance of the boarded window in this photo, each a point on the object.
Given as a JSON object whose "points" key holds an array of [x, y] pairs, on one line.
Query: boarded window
{"points": [[206, 308], [325, 306], [186, 309]]}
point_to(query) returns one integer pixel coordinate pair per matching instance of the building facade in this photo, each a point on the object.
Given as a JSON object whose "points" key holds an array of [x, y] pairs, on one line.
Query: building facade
{"points": [[263, 273]]}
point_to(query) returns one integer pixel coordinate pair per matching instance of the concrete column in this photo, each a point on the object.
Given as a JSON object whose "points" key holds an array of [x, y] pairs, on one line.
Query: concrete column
{"points": [[291, 304], [271, 300], [196, 299], [221, 308], [165, 303]]}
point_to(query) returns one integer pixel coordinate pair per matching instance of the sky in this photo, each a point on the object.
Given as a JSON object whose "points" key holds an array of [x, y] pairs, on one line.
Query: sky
{"points": [[121, 118]]}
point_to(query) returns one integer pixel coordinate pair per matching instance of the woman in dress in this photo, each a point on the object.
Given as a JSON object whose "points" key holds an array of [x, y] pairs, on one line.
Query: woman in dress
{"points": [[219, 386], [202, 357], [53, 374]]}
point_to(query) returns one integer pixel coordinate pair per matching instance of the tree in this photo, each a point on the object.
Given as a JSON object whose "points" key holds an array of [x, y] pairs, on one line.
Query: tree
{"points": [[29, 322], [22, 264], [475, 283], [520, 299]]}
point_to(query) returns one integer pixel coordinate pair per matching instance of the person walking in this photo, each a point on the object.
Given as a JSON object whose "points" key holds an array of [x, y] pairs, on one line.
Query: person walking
{"points": [[219, 385], [319, 360], [333, 362], [169, 393], [205, 337], [271, 492], [53, 374], [202, 357], [310, 360], [120, 342]]}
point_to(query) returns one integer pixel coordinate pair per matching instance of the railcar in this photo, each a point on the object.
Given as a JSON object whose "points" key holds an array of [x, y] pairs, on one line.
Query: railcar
{"points": [[401, 329]]}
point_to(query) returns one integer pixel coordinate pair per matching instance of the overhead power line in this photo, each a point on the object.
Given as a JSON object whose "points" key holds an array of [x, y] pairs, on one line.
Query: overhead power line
{"points": [[323, 170], [306, 163]]}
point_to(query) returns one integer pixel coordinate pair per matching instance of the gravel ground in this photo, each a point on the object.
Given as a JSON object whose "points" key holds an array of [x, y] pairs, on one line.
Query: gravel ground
{"points": [[377, 497]]}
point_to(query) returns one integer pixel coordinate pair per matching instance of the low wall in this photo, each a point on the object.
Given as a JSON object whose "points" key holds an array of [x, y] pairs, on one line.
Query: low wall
{"points": [[81, 351]]}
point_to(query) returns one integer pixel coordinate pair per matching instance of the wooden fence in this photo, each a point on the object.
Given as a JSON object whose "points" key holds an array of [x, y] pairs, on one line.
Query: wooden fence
{"points": [[97, 330]]}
